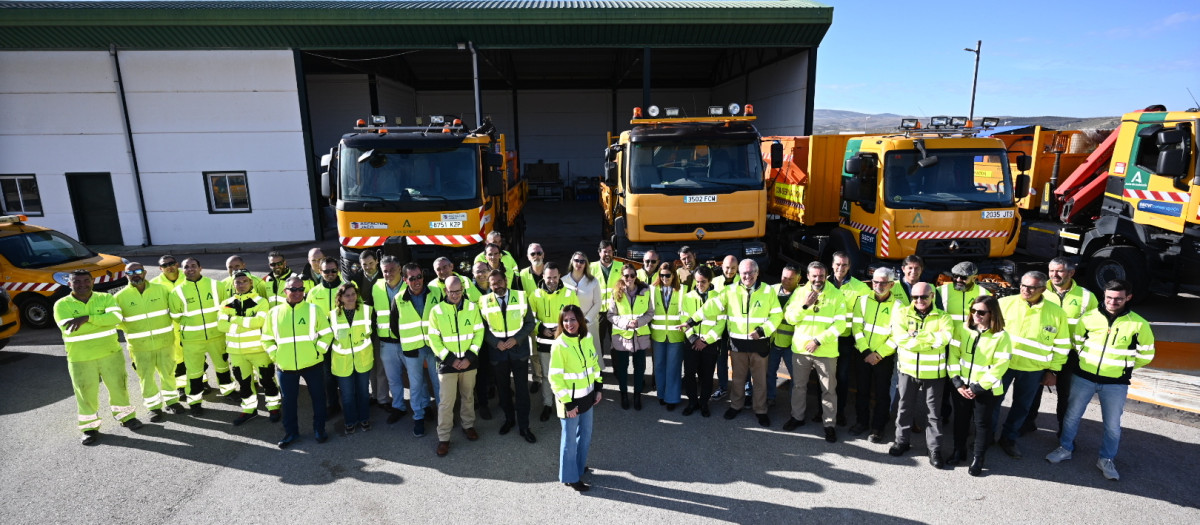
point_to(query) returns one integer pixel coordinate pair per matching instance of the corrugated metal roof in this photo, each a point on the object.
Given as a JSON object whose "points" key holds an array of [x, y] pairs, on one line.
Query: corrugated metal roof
{"points": [[420, 24]]}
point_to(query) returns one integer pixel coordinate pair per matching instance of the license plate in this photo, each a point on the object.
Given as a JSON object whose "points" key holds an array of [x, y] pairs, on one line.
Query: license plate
{"points": [[439, 225], [689, 199], [454, 216], [998, 214], [368, 226]]}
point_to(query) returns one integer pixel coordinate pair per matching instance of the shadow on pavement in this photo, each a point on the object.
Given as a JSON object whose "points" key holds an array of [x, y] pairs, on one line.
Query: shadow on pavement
{"points": [[31, 381]]}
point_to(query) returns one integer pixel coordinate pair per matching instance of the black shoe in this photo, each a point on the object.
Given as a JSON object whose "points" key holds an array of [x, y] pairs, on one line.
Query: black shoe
{"points": [[89, 437], [1028, 427], [321, 436], [624, 401], [841, 420], [935, 459], [545, 414], [830, 435], [175, 408], [534, 387], [858, 429], [792, 424], [156, 416], [689, 409], [528, 435], [898, 449], [365, 426], [349, 429], [731, 413], [956, 456], [244, 417], [274, 415], [976, 467], [485, 413], [671, 407], [287, 440], [876, 437], [661, 401], [506, 427], [579, 486], [704, 412], [196, 410], [418, 428], [1010, 448], [395, 415], [764, 420], [637, 402]]}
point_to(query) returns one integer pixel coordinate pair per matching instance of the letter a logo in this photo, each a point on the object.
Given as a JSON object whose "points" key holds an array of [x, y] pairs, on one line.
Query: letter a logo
{"points": [[917, 219]]}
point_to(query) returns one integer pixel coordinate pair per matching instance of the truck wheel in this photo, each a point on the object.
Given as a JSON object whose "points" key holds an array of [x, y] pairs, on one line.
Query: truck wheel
{"points": [[36, 311], [1118, 262]]}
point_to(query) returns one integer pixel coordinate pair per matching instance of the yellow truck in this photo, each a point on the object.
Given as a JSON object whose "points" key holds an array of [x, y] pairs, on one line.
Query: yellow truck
{"points": [[674, 180], [880, 198], [422, 192]]}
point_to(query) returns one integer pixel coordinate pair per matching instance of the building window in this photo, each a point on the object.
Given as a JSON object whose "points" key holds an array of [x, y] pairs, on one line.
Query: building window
{"points": [[21, 196], [227, 191]]}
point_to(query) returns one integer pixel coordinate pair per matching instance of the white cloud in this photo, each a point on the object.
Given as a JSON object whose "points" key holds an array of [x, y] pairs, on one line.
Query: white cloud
{"points": [[1179, 18]]}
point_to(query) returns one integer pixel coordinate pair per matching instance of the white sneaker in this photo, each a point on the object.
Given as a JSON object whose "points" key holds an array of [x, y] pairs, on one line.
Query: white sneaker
{"points": [[1108, 468], [1060, 454]]}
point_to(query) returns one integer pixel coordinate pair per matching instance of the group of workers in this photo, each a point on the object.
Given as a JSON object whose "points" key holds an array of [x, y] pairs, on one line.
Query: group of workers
{"points": [[909, 348]]}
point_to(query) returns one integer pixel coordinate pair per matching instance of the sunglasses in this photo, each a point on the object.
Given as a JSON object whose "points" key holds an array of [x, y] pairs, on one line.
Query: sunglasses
{"points": [[414, 278], [629, 276], [329, 272], [980, 313], [921, 297], [171, 264], [277, 264], [139, 271], [651, 261], [665, 275], [880, 283], [454, 291], [300, 289], [1028, 287], [536, 253]]}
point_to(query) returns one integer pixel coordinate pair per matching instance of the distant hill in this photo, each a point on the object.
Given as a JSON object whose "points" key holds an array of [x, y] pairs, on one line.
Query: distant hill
{"points": [[827, 121]]}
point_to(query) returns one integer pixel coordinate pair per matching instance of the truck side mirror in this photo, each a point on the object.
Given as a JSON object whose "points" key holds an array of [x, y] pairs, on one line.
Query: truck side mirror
{"points": [[326, 178], [853, 165], [1022, 187], [776, 155], [610, 173], [326, 190], [494, 160], [1169, 137], [1024, 162], [1171, 163], [494, 180], [610, 153], [852, 189]]}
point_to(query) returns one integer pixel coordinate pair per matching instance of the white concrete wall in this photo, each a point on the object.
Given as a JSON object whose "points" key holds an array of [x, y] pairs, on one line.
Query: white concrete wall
{"points": [[779, 93], [59, 114], [190, 112]]}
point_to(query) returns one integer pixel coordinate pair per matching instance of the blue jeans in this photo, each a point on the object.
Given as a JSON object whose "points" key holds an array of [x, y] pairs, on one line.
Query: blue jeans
{"points": [[392, 357], [668, 370], [418, 391], [355, 397], [289, 387], [1025, 386], [778, 354], [574, 445], [1112, 404]]}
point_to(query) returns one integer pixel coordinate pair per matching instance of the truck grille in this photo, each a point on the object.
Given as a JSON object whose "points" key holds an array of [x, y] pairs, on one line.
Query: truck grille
{"points": [[967, 248], [708, 227]]}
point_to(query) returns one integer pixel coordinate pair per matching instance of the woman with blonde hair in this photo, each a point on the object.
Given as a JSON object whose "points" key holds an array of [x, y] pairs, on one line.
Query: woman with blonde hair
{"points": [[630, 315], [666, 300], [579, 279]]}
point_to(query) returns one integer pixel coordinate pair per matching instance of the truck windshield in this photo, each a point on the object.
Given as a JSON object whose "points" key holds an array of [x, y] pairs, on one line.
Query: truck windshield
{"points": [[393, 175], [42, 249], [953, 183], [684, 168]]}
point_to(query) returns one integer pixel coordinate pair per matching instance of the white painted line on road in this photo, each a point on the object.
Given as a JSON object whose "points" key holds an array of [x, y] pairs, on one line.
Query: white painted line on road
{"points": [[1154, 323]]}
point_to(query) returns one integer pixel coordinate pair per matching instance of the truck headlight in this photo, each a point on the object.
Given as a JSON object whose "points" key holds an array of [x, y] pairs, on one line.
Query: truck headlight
{"points": [[756, 249]]}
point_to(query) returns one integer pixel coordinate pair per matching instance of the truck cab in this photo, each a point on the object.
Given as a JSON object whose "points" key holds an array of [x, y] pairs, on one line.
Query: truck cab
{"points": [[673, 180]]}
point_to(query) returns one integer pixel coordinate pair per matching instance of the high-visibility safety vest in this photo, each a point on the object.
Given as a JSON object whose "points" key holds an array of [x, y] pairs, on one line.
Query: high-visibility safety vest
{"points": [[146, 317], [824, 321], [259, 287], [1114, 349], [751, 309], [547, 305], [1040, 334], [351, 347], [297, 336], [276, 287], [171, 285], [506, 259], [608, 281], [922, 355], [872, 324], [782, 337], [242, 318], [455, 332], [441, 285], [530, 281], [409, 325], [574, 371], [324, 296], [957, 304], [979, 357], [195, 307], [1076, 302], [720, 282], [384, 303], [98, 336], [668, 313], [851, 290], [504, 324], [706, 316], [630, 309]]}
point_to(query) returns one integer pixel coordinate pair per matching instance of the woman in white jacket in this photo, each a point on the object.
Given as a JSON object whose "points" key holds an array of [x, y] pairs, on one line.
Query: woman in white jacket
{"points": [[580, 280]]}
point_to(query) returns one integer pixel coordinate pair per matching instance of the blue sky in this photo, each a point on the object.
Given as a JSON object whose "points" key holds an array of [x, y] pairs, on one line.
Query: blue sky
{"points": [[1071, 58]]}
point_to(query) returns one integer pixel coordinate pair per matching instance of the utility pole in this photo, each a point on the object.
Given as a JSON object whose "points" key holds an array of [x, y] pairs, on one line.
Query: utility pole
{"points": [[975, 79]]}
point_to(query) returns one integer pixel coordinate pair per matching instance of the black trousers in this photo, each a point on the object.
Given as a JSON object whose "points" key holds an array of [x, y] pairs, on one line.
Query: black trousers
{"points": [[874, 382], [516, 370], [698, 368], [848, 363], [331, 385], [484, 379], [973, 412]]}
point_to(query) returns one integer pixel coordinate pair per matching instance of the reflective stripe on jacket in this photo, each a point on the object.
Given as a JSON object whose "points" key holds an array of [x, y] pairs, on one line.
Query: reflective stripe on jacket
{"points": [[872, 324], [979, 357], [1040, 334], [921, 342], [351, 346], [824, 321], [98, 336], [297, 336], [195, 307], [146, 317], [243, 330]]}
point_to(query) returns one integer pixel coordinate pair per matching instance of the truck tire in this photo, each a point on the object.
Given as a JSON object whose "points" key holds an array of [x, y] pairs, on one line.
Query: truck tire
{"points": [[1118, 262], [36, 311]]}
